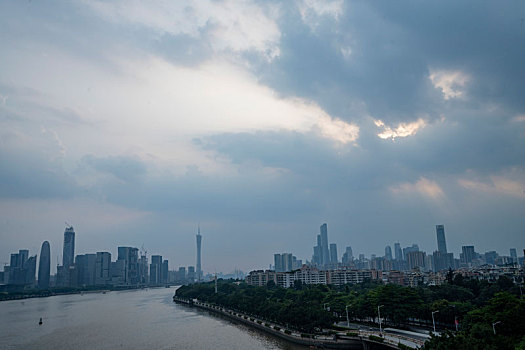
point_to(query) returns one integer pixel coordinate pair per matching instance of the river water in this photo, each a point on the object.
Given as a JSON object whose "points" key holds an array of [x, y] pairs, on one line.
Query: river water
{"points": [[138, 319]]}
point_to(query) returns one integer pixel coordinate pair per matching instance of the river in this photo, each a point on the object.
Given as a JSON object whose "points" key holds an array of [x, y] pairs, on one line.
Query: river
{"points": [[138, 319]]}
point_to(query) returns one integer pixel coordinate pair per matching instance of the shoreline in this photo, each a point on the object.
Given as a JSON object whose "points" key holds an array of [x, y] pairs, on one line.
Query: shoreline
{"points": [[86, 291], [337, 342]]}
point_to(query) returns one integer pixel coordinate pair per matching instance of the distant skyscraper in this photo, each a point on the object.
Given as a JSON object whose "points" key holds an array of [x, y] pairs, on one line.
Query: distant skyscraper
{"points": [[191, 274], [442, 244], [413, 248], [30, 271], [155, 270], [131, 257], [388, 253], [103, 268], [278, 262], [325, 254], [164, 271], [199, 241], [44, 266], [415, 259], [348, 256], [397, 251], [513, 255], [333, 253], [23, 255], [468, 254], [86, 269], [68, 253]]}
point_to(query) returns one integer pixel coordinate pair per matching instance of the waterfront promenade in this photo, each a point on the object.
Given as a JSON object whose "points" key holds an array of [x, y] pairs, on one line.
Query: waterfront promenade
{"points": [[353, 339]]}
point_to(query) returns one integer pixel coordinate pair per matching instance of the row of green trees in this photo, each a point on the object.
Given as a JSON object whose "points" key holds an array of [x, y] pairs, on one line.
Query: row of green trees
{"points": [[475, 304]]}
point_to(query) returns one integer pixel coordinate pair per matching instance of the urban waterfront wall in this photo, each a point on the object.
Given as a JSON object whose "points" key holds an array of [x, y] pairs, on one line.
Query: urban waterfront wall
{"points": [[326, 342]]}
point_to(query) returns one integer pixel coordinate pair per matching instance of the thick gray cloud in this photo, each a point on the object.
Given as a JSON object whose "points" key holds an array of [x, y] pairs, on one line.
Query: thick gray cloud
{"points": [[262, 121]]}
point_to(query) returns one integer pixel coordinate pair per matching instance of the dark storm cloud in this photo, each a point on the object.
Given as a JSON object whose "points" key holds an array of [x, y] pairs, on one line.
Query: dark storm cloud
{"points": [[393, 48]]}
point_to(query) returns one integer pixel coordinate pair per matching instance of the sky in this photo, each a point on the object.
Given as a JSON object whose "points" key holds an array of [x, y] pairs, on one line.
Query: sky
{"points": [[135, 122]]}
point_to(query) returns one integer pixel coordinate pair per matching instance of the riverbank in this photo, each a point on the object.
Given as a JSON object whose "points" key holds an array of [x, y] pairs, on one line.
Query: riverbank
{"points": [[337, 341], [51, 293]]}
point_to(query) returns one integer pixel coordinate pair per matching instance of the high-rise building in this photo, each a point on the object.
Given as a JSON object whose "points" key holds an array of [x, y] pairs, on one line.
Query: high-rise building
{"points": [[416, 259], [131, 257], [68, 253], [398, 252], [490, 257], [413, 248], [199, 241], [278, 263], [325, 254], [164, 271], [117, 271], [348, 256], [442, 261], [14, 260], [86, 269], [181, 275], [23, 256], [333, 254], [155, 270], [284, 262], [468, 254], [388, 253], [20, 269], [442, 243], [103, 268], [30, 271], [191, 274], [44, 266], [143, 269], [513, 255]]}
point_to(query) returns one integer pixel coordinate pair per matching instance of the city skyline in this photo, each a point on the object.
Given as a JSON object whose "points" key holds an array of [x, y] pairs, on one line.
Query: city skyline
{"points": [[282, 262], [261, 120]]}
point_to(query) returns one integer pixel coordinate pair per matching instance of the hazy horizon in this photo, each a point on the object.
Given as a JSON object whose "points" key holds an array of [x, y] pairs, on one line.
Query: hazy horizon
{"points": [[261, 121]]}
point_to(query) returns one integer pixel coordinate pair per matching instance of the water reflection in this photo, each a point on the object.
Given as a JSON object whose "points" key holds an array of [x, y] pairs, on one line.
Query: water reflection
{"points": [[129, 319]]}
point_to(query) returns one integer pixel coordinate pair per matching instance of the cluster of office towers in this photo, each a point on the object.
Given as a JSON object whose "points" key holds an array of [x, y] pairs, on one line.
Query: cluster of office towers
{"points": [[131, 268], [403, 259]]}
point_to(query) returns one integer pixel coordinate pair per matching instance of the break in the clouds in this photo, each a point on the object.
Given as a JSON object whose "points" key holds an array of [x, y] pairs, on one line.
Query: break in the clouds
{"points": [[261, 120]]}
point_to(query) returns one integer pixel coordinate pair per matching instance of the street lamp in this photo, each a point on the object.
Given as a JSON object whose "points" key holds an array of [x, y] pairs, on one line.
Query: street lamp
{"points": [[433, 321], [379, 316], [494, 328], [347, 319]]}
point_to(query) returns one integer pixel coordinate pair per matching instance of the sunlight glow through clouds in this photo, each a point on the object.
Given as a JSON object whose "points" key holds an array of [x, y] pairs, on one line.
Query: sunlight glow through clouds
{"points": [[338, 130], [497, 185], [423, 186], [402, 130], [224, 25], [449, 82]]}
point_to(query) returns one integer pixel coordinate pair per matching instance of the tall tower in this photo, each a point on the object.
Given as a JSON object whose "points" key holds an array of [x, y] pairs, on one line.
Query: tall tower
{"points": [[388, 252], [325, 254], [398, 251], [199, 240], [68, 254], [44, 266], [442, 244]]}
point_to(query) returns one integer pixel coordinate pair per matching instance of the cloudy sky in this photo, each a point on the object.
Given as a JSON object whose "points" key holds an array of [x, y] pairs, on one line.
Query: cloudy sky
{"points": [[134, 121]]}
